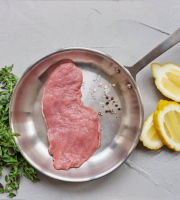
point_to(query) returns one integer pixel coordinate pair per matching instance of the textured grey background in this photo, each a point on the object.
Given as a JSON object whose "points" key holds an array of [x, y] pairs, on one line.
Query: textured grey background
{"points": [[126, 30]]}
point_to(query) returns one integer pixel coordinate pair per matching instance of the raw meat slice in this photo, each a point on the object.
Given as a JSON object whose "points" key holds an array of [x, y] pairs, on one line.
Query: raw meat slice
{"points": [[73, 128]]}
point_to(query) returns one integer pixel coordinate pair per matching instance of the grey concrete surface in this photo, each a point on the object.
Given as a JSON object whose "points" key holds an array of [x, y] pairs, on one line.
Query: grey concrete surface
{"points": [[126, 30]]}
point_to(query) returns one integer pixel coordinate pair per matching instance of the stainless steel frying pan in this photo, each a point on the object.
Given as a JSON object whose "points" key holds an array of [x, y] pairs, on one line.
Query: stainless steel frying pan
{"points": [[121, 130]]}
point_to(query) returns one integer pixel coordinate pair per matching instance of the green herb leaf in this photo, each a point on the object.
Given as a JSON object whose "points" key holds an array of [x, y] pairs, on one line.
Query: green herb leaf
{"points": [[35, 180], [16, 134], [0, 153], [8, 158], [9, 152], [19, 171], [6, 178], [27, 175], [4, 118], [1, 190], [11, 195]]}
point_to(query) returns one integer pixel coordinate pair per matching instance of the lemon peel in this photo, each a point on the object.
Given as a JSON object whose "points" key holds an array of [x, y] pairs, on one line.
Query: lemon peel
{"points": [[167, 123], [167, 79], [149, 136]]}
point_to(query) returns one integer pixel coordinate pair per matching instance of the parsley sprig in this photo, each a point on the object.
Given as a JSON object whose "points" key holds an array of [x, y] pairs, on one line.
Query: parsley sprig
{"points": [[9, 153]]}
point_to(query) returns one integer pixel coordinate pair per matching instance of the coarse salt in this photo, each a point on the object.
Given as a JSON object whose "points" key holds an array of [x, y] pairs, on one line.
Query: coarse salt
{"points": [[101, 103], [95, 89], [98, 78]]}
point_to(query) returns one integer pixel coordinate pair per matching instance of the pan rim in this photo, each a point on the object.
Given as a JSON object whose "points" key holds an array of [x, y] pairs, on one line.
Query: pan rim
{"points": [[141, 113]]}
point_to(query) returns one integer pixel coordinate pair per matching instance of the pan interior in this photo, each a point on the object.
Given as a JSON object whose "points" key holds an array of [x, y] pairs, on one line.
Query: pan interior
{"points": [[120, 130]]}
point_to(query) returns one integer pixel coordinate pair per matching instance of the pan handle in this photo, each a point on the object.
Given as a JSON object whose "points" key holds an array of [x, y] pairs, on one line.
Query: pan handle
{"points": [[173, 39]]}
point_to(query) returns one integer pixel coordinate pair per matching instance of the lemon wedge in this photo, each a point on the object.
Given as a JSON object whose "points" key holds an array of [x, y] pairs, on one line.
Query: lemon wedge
{"points": [[167, 79], [167, 123], [149, 136]]}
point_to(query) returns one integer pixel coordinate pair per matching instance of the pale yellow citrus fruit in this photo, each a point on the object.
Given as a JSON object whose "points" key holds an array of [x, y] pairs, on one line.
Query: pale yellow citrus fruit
{"points": [[167, 123], [149, 136], [167, 79]]}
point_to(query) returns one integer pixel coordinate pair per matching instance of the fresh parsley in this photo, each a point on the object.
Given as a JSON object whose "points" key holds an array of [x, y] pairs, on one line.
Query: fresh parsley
{"points": [[9, 153]]}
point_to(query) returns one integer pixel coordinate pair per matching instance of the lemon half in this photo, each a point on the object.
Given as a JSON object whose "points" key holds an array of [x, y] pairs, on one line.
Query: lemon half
{"points": [[167, 123], [149, 136], [167, 79]]}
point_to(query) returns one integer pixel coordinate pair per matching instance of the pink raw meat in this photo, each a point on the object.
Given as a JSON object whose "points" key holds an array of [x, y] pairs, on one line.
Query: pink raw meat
{"points": [[73, 128]]}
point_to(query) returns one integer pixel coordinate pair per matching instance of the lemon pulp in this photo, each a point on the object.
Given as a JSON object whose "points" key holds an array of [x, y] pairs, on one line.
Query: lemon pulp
{"points": [[167, 79], [172, 125], [152, 135], [149, 135], [167, 123]]}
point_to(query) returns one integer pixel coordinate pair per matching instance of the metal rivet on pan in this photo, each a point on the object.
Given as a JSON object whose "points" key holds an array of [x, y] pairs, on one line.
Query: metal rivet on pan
{"points": [[129, 86], [117, 70]]}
